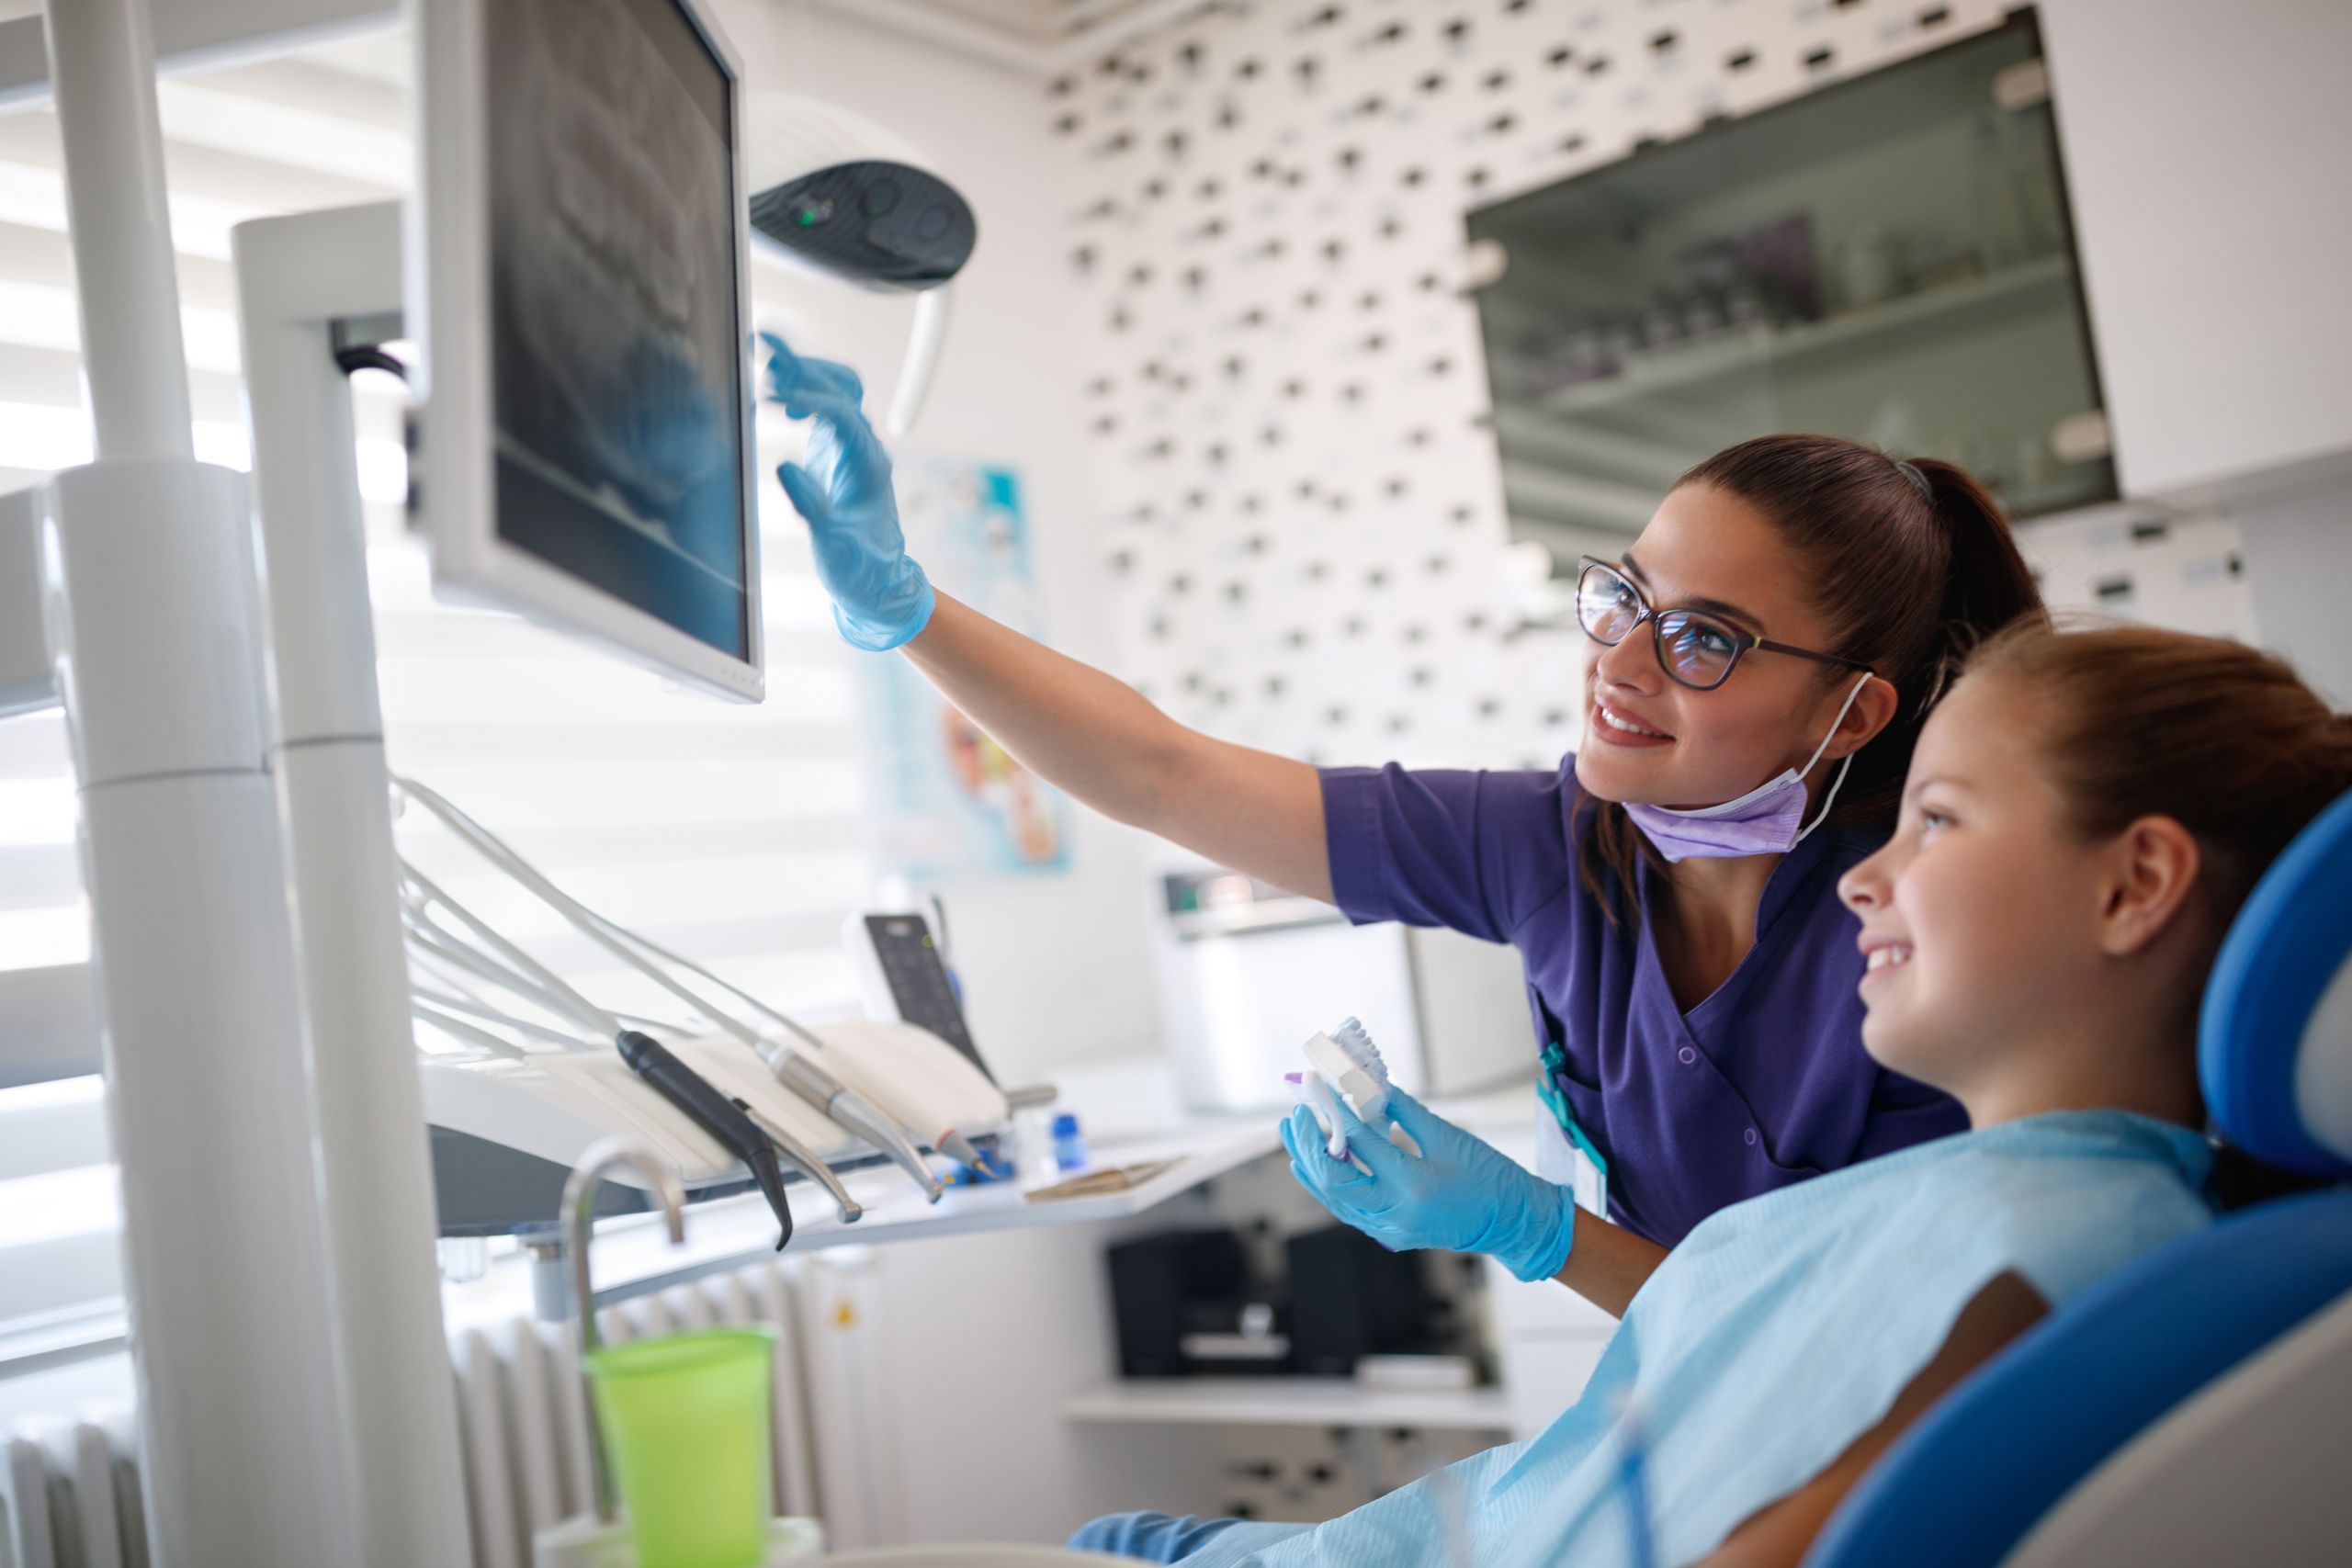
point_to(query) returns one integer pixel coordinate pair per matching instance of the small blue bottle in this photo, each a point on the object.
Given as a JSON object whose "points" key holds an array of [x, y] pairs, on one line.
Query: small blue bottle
{"points": [[1069, 1144]]}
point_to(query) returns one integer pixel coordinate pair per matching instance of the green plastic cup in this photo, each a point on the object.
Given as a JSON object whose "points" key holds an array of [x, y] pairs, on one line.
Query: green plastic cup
{"points": [[685, 1426]]}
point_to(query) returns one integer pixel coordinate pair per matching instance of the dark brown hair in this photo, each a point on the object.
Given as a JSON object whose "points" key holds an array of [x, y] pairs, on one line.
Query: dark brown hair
{"points": [[1908, 573], [2137, 721]]}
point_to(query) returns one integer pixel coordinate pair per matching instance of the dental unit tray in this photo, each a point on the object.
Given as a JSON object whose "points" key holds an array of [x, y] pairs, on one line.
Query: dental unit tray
{"points": [[506, 1130], [549, 1073]]}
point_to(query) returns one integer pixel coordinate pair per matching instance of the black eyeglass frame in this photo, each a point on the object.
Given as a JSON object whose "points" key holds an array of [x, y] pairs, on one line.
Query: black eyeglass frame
{"points": [[1741, 642]]}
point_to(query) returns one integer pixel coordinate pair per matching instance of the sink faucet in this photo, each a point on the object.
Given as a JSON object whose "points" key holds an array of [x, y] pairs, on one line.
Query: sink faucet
{"points": [[578, 1210]]}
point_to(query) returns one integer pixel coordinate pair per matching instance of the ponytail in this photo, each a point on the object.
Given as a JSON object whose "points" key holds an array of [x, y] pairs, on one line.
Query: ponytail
{"points": [[1911, 565], [1987, 585]]}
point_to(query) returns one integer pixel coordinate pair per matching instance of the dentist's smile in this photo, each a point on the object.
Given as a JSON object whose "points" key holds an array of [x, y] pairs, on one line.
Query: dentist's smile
{"points": [[1620, 729]]}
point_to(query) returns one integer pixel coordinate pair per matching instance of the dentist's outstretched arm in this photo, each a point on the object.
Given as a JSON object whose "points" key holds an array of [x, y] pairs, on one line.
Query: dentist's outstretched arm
{"points": [[1465, 1195], [1081, 730]]}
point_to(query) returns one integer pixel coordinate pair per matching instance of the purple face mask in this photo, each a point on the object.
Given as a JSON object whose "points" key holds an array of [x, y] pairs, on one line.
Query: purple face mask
{"points": [[1764, 821]]}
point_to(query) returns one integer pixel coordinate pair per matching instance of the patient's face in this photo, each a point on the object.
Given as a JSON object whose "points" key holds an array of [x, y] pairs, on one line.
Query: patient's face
{"points": [[1981, 914]]}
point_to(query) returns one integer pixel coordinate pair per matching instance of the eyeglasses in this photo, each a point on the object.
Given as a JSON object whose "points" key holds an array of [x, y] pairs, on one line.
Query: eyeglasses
{"points": [[1696, 650]]}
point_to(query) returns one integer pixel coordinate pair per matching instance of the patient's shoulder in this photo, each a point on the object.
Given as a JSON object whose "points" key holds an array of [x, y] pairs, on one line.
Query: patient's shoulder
{"points": [[2071, 1200]]}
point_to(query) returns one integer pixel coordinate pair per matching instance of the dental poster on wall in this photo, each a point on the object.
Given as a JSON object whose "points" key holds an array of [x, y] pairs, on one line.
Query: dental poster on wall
{"points": [[948, 802]]}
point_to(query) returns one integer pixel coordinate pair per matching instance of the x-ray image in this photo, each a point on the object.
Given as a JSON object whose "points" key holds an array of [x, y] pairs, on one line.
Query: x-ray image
{"points": [[618, 351]]}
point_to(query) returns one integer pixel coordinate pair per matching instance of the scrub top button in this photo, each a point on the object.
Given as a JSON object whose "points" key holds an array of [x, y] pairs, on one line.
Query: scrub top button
{"points": [[1751, 1137], [1687, 1055]]}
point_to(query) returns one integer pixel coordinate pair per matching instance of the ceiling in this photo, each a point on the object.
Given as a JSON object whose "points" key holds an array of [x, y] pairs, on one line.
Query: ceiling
{"points": [[1032, 35], [1041, 22]]}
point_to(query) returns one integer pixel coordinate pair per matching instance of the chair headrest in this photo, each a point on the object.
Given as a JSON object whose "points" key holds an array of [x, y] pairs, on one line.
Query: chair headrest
{"points": [[2274, 1040]]}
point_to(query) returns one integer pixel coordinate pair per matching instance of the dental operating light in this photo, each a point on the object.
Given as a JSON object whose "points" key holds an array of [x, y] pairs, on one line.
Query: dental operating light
{"points": [[838, 195]]}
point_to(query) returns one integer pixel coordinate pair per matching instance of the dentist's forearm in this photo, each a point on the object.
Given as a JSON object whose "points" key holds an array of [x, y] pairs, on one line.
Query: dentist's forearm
{"points": [[1084, 732], [1608, 1263], [1097, 738]]}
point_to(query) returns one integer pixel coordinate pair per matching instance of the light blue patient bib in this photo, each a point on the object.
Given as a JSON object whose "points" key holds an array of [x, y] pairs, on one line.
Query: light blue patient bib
{"points": [[1782, 1329]]}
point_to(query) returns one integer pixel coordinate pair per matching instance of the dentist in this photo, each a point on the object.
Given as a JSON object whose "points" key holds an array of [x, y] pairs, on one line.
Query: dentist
{"points": [[1755, 667]]}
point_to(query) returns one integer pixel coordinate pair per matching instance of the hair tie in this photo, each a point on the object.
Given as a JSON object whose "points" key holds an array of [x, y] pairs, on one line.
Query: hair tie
{"points": [[1918, 480]]}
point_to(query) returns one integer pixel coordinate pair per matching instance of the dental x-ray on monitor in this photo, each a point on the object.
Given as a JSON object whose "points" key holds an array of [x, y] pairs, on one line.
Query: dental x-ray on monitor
{"points": [[584, 429]]}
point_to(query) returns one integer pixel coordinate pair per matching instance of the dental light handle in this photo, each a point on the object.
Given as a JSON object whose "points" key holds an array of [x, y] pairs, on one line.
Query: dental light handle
{"points": [[715, 1113], [806, 1160], [923, 341], [850, 1109]]}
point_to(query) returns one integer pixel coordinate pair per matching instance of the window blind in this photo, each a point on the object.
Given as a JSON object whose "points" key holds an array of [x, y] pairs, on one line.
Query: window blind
{"points": [[732, 834]]}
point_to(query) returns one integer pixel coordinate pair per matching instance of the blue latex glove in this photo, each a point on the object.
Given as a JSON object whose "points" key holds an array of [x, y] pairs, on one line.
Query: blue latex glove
{"points": [[1463, 1195], [880, 598]]}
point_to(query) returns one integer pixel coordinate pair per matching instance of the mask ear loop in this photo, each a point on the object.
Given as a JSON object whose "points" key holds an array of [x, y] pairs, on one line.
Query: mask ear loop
{"points": [[1844, 764]]}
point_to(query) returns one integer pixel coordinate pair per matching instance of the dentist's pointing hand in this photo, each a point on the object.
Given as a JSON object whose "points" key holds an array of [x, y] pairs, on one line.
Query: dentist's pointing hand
{"points": [[880, 598], [1463, 1195]]}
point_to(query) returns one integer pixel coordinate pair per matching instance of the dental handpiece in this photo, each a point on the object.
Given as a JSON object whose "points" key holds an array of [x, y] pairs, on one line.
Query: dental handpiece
{"points": [[714, 1114], [851, 1109], [806, 1161]]}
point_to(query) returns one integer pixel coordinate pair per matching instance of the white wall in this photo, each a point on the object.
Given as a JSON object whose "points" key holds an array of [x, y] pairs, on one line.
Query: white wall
{"points": [[1054, 968], [2299, 564]]}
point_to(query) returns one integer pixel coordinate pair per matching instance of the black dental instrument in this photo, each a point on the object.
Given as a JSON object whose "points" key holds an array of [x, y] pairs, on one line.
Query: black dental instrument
{"points": [[715, 1113], [806, 1160]]}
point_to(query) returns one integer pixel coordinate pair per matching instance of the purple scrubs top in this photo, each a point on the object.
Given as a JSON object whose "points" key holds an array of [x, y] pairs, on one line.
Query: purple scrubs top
{"points": [[1763, 1084]]}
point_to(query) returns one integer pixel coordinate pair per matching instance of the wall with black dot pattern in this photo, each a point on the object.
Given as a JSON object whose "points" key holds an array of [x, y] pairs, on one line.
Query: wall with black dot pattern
{"points": [[1297, 499]]}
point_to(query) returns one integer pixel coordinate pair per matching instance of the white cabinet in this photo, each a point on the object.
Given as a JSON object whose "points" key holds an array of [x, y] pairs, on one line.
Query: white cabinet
{"points": [[1547, 1338], [2205, 144]]}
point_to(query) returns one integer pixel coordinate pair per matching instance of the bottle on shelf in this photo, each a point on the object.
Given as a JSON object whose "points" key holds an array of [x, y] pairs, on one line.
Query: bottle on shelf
{"points": [[1069, 1144]]}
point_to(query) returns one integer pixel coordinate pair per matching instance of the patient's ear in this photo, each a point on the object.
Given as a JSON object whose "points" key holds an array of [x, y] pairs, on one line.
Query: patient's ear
{"points": [[2152, 869]]}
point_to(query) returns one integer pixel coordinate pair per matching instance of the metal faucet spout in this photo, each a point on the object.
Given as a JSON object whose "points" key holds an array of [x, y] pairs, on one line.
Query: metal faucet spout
{"points": [[579, 1211]]}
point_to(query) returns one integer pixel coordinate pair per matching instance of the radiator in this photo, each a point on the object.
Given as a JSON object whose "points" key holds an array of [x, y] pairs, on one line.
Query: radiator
{"points": [[69, 1488], [69, 1495]]}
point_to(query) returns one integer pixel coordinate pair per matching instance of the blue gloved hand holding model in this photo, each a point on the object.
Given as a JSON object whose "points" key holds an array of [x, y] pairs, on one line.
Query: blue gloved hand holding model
{"points": [[881, 599], [1462, 1194]]}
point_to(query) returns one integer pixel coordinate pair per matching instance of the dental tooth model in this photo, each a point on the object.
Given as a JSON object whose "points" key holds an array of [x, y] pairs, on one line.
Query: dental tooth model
{"points": [[1347, 1065]]}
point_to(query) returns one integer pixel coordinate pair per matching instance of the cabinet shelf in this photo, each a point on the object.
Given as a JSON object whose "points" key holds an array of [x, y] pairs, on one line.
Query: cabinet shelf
{"points": [[1876, 328], [1287, 1401]]}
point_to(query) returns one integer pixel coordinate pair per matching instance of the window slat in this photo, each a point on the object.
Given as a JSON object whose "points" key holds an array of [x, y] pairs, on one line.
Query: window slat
{"points": [[48, 1026], [57, 1126]]}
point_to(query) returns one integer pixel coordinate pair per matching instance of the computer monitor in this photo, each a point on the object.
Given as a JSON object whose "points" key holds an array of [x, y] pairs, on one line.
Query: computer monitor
{"points": [[577, 254]]}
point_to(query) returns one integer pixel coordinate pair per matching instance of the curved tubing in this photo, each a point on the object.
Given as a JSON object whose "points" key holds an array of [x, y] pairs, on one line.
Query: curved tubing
{"points": [[648, 957]]}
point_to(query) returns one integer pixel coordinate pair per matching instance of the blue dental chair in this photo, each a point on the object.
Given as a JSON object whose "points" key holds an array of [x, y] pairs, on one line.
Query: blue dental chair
{"points": [[2196, 1409]]}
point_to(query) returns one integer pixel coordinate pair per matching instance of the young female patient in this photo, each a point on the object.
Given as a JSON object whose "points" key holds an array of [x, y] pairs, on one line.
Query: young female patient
{"points": [[2083, 817]]}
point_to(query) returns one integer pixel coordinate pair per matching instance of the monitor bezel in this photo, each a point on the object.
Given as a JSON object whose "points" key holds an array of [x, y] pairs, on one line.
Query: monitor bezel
{"points": [[447, 257]]}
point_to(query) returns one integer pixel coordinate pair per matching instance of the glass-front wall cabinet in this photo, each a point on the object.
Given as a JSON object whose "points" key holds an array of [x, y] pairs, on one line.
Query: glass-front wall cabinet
{"points": [[1889, 258]]}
